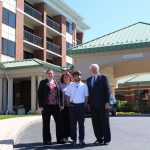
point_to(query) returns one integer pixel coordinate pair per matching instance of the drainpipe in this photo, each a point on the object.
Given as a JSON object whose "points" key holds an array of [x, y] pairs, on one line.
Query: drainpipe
{"points": [[7, 111]]}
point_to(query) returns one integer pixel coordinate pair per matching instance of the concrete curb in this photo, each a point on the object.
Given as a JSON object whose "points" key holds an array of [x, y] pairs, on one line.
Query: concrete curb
{"points": [[8, 140]]}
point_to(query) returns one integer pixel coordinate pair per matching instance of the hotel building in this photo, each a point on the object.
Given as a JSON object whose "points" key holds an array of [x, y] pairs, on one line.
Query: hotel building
{"points": [[34, 36]]}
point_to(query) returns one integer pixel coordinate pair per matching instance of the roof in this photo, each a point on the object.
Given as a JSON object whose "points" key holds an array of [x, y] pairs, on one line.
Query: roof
{"points": [[135, 80], [134, 83], [27, 63], [130, 37]]}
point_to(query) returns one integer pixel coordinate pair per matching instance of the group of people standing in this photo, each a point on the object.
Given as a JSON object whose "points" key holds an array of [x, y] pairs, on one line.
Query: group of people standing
{"points": [[66, 101]]}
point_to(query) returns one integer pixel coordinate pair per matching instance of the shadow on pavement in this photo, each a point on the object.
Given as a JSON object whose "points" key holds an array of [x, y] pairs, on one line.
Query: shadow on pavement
{"points": [[8, 142], [40, 146]]}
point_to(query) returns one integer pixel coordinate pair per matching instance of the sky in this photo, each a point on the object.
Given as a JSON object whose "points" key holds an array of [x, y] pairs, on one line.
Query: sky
{"points": [[106, 16]]}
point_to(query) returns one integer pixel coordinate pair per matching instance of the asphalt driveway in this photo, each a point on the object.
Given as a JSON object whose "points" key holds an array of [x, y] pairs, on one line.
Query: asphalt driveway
{"points": [[128, 133]]}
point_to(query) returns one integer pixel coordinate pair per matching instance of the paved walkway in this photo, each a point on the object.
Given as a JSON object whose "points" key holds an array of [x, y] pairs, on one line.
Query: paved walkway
{"points": [[11, 128]]}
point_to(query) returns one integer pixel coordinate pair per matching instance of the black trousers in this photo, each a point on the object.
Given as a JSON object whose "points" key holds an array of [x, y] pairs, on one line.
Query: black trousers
{"points": [[66, 122], [46, 115], [77, 114], [100, 122]]}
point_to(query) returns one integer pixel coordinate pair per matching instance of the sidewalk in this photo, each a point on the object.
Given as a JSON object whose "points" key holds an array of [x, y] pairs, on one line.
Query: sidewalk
{"points": [[11, 128]]}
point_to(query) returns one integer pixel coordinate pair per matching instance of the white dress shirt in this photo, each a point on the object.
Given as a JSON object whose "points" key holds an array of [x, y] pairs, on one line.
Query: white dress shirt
{"points": [[77, 92]]}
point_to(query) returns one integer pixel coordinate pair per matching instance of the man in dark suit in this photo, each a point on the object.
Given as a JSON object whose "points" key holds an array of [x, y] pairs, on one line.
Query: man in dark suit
{"points": [[50, 103], [99, 94]]}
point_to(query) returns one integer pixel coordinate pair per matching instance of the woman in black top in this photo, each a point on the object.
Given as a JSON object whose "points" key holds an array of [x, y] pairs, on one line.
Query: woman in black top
{"points": [[50, 103]]}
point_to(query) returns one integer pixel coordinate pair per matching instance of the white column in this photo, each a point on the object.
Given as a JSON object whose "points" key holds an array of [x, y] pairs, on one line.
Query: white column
{"points": [[10, 95], [4, 94], [33, 94], [39, 79], [1, 81]]}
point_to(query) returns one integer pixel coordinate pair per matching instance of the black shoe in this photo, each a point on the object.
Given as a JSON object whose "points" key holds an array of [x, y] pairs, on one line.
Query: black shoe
{"points": [[73, 143], [61, 142], [99, 142], [106, 143], [47, 143], [82, 143]]}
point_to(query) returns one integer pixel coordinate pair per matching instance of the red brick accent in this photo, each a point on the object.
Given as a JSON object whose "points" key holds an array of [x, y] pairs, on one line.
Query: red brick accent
{"points": [[80, 36], [19, 30], [74, 34], [0, 28], [41, 31], [60, 40]]}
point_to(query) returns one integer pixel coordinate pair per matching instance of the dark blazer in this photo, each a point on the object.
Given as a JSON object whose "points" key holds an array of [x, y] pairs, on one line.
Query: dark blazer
{"points": [[44, 92], [99, 94]]}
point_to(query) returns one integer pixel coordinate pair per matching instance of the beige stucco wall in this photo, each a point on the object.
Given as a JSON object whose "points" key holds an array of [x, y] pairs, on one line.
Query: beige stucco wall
{"points": [[114, 59], [115, 64]]}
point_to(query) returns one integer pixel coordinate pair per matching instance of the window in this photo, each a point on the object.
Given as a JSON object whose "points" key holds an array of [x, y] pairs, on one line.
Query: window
{"points": [[120, 95], [5, 16], [49, 39], [28, 55], [9, 18], [28, 29], [49, 61], [68, 45], [8, 47], [69, 27]]}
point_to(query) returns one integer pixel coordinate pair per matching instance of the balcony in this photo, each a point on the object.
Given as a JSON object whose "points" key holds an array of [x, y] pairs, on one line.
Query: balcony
{"points": [[32, 12], [53, 47], [32, 38], [53, 24]]}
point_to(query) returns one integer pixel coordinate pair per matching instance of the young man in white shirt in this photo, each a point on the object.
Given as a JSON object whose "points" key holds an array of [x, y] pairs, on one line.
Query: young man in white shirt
{"points": [[77, 93]]}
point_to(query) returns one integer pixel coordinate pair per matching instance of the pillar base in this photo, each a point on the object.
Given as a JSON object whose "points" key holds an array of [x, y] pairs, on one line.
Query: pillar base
{"points": [[31, 112], [38, 111], [12, 113], [1, 112]]}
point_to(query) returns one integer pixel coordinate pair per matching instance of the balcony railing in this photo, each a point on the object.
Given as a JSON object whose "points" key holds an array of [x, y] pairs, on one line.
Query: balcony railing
{"points": [[32, 12], [53, 24], [53, 47], [32, 38], [78, 42]]}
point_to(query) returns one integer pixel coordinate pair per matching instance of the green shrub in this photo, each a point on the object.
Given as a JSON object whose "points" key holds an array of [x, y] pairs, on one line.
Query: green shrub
{"points": [[123, 106]]}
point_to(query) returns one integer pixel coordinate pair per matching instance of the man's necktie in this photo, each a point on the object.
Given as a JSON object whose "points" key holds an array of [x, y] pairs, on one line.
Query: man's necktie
{"points": [[94, 79]]}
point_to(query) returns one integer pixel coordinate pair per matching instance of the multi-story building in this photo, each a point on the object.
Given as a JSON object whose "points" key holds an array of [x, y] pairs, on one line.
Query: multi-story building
{"points": [[41, 29]]}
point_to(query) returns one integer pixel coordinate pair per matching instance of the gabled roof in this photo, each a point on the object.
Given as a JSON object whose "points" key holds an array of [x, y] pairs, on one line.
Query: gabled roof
{"points": [[130, 37], [27, 63]]}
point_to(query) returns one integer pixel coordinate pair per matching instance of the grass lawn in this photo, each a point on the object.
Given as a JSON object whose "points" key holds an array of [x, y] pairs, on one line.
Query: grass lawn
{"points": [[12, 116]]}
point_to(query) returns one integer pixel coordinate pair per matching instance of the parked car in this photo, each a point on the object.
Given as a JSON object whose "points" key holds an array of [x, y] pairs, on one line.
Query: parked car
{"points": [[112, 102]]}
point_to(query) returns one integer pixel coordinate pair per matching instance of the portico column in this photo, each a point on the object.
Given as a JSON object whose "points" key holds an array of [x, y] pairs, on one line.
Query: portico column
{"points": [[33, 94], [1, 81], [10, 95], [4, 94], [39, 79]]}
